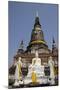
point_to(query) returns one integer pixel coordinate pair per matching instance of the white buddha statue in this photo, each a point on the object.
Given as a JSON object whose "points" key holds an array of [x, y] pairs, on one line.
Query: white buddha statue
{"points": [[35, 70], [18, 73], [36, 64], [36, 60], [51, 64]]}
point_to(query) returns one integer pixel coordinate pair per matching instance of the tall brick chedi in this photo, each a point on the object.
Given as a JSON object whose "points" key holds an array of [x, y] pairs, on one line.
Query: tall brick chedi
{"points": [[37, 41]]}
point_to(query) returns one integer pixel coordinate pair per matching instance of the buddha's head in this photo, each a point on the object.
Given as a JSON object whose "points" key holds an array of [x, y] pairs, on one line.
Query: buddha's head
{"points": [[50, 58], [19, 59]]}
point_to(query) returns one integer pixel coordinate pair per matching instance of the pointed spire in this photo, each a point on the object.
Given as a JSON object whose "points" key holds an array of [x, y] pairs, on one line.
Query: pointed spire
{"points": [[54, 48], [53, 44], [53, 40], [21, 45], [36, 13], [37, 20]]}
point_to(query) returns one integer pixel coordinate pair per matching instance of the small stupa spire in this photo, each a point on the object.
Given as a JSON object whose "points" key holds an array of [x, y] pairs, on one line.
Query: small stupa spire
{"points": [[53, 40], [21, 45], [53, 43]]}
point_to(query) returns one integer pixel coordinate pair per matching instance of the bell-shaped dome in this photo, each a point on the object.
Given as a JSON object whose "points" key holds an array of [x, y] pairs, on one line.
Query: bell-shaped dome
{"points": [[37, 37]]}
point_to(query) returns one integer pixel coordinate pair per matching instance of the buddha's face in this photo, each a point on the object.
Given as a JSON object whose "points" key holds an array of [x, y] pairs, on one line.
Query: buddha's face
{"points": [[50, 58], [19, 58]]}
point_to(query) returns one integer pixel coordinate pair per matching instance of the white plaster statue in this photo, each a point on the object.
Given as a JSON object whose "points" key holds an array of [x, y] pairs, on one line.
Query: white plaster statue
{"points": [[18, 73], [36, 60], [51, 64], [36, 69], [36, 63]]}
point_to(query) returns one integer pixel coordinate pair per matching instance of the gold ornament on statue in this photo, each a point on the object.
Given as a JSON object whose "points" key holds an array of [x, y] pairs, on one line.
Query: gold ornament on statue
{"points": [[34, 78]]}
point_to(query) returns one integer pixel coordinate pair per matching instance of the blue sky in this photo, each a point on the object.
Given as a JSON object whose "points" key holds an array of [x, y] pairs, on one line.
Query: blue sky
{"points": [[21, 21]]}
